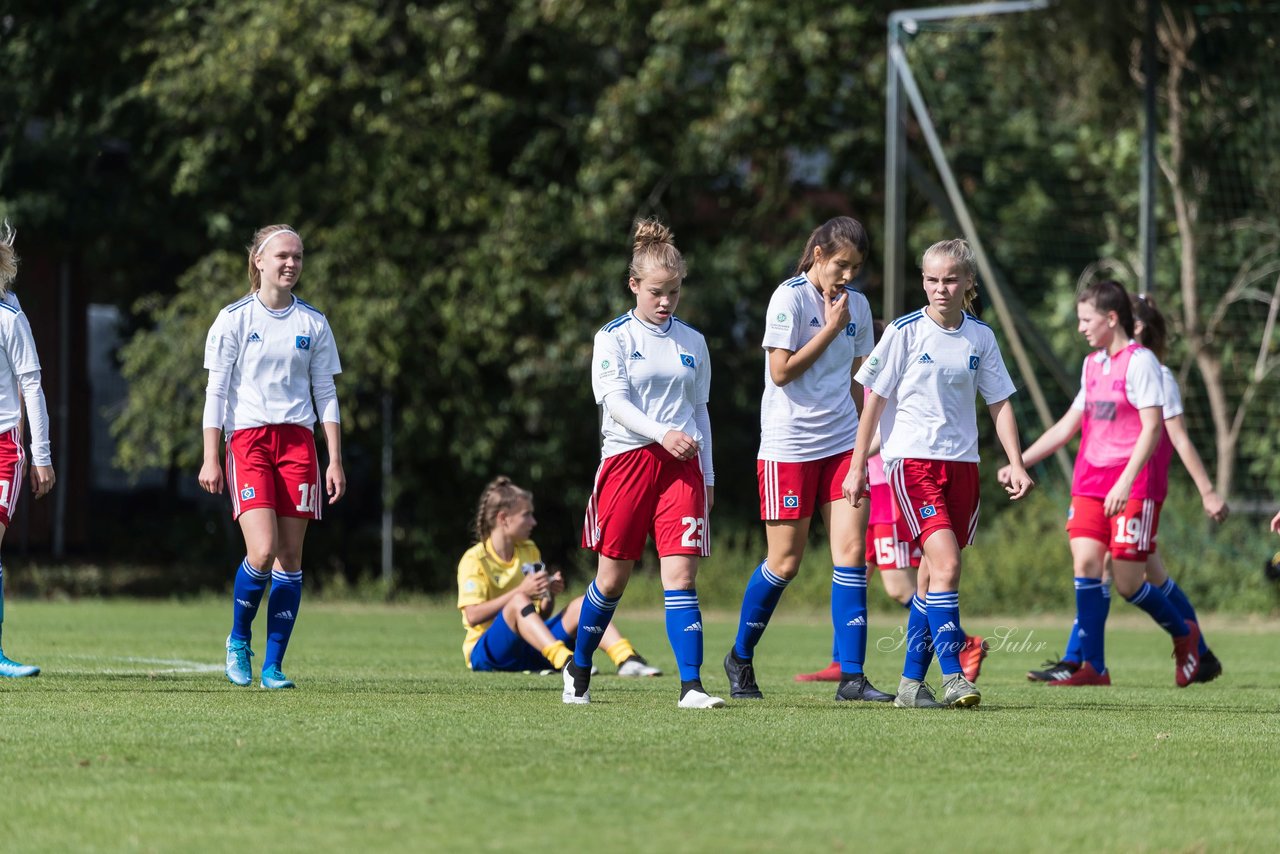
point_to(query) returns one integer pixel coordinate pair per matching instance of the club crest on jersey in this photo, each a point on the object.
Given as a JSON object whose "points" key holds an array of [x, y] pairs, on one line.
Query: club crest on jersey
{"points": [[791, 501], [302, 342], [1117, 385], [813, 321], [928, 511], [254, 338], [247, 493], [973, 363], [637, 355], [851, 330], [686, 360]]}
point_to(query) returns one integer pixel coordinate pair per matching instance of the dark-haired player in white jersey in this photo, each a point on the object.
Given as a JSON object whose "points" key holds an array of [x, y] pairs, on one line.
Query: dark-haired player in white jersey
{"points": [[19, 384], [817, 331], [268, 355], [924, 377], [652, 375]]}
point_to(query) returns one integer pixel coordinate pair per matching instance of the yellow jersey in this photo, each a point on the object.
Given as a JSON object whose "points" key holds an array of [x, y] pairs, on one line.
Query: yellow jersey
{"points": [[483, 576]]}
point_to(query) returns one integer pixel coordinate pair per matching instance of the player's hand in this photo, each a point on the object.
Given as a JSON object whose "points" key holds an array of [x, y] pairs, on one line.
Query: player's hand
{"points": [[1004, 475], [1117, 498], [335, 482], [837, 311], [211, 476], [855, 484], [680, 445], [555, 583], [42, 480], [1214, 507], [1019, 483], [535, 585]]}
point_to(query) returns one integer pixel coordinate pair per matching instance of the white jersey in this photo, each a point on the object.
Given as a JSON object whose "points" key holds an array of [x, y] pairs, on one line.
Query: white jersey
{"points": [[272, 358], [930, 376], [664, 371], [18, 347], [814, 415]]}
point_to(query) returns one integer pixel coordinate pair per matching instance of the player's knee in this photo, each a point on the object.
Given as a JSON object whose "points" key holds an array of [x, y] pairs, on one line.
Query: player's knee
{"points": [[262, 558], [785, 567]]}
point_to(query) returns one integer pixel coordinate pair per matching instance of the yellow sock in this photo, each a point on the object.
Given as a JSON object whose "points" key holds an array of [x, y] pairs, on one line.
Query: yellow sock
{"points": [[620, 652], [558, 654]]}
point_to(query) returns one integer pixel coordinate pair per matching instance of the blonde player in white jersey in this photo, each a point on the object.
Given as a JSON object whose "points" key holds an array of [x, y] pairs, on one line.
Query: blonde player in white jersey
{"points": [[19, 384], [924, 376], [652, 375], [268, 355], [817, 331]]}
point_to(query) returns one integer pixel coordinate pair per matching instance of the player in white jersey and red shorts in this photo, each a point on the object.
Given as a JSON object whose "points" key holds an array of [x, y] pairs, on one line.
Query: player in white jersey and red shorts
{"points": [[268, 355], [19, 384], [651, 374], [924, 377], [817, 331], [1120, 481]]}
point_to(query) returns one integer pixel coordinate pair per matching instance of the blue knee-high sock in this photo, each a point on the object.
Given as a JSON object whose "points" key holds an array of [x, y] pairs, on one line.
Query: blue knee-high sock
{"points": [[249, 586], [761, 597], [944, 625], [1092, 605], [684, 630], [1150, 599], [919, 642], [1072, 652], [1177, 598], [835, 648], [282, 613], [849, 615], [597, 610]]}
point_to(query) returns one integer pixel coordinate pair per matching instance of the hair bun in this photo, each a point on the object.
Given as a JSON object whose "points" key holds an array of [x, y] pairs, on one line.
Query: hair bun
{"points": [[650, 232]]}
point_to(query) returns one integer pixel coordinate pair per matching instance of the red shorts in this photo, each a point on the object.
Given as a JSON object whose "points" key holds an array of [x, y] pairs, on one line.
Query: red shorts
{"points": [[796, 490], [887, 549], [275, 467], [642, 492], [1129, 535], [11, 457], [937, 495]]}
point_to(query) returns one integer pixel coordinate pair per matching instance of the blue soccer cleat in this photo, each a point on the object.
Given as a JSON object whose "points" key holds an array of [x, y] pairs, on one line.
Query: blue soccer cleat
{"points": [[239, 670], [10, 669], [273, 679]]}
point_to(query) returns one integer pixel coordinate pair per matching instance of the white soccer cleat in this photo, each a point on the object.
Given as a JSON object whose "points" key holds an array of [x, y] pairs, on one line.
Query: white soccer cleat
{"points": [[696, 699], [635, 666], [577, 691]]}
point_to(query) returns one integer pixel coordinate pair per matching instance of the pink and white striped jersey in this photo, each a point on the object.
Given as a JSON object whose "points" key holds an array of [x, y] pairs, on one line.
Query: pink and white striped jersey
{"points": [[1112, 390]]}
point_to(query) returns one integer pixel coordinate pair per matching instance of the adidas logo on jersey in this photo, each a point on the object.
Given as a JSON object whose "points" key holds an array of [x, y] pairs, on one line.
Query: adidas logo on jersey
{"points": [[948, 626], [857, 621], [283, 615], [637, 355], [814, 323], [254, 338], [925, 360], [696, 627]]}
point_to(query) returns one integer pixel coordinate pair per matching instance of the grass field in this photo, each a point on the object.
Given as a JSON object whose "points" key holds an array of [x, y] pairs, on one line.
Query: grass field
{"points": [[133, 740]]}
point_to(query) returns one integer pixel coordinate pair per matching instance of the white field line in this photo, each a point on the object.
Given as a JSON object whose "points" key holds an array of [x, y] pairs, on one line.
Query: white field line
{"points": [[142, 666]]}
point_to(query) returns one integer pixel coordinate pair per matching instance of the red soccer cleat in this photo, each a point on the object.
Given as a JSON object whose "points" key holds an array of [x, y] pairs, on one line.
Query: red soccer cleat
{"points": [[1186, 656], [1086, 675], [975, 649], [830, 673]]}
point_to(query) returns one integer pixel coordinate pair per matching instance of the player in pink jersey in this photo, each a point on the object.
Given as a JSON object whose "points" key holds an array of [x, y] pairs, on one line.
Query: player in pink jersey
{"points": [[268, 355], [1117, 487], [925, 376], [19, 385], [651, 374], [1150, 331]]}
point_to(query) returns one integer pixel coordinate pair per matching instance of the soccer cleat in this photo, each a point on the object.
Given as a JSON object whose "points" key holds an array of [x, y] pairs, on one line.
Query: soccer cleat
{"points": [[1054, 671], [742, 678], [860, 688], [1186, 656], [959, 693], [273, 679], [1085, 675], [239, 670], [915, 695], [577, 685], [637, 666], [975, 649], [1210, 667], [696, 698], [830, 673], [10, 669]]}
